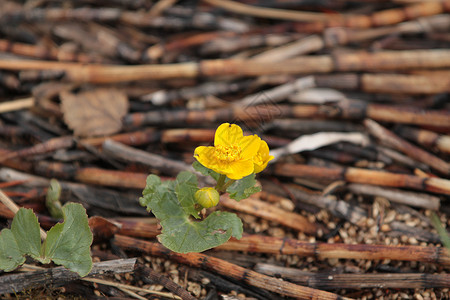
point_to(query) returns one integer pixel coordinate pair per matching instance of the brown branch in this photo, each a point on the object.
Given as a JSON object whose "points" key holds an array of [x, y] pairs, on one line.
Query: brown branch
{"points": [[330, 281], [339, 208], [91, 175], [426, 138], [380, 18], [44, 52], [45, 147], [352, 110], [58, 276], [343, 62], [271, 13], [386, 17], [225, 269], [409, 198], [90, 196], [400, 144], [270, 212], [386, 83], [358, 175], [273, 245], [136, 138], [152, 276], [129, 154]]}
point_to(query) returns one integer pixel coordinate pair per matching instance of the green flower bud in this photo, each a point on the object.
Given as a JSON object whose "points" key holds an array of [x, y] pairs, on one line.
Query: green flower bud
{"points": [[207, 197]]}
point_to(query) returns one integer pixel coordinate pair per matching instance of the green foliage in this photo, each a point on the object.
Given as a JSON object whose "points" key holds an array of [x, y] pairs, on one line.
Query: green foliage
{"points": [[172, 202], [25, 228], [205, 171], [10, 255], [67, 244], [22, 239], [185, 189], [52, 199], [243, 188], [239, 189], [443, 234]]}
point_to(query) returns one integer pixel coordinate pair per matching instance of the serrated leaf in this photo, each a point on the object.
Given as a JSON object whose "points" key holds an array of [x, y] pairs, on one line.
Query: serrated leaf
{"points": [[10, 255], [185, 187], [243, 188], [68, 243], [22, 239], [205, 171], [157, 197], [180, 233], [152, 182]]}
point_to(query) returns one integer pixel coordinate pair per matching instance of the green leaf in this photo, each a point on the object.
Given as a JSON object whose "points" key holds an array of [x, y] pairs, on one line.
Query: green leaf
{"points": [[243, 188], [22, 239], [52, 199], [191, 236], [10, 255], [153, 182], [205, 171], [180, 232], [25, 228], [68, 243], [185, 187], [443, 234]]}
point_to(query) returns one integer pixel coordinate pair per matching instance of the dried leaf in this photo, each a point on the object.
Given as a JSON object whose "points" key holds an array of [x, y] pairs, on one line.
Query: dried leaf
{"points": [[94, 113]]}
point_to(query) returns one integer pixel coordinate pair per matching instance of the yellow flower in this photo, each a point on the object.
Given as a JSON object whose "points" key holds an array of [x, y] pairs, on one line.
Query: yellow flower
{"points": [[262, 157], [232, 154]]}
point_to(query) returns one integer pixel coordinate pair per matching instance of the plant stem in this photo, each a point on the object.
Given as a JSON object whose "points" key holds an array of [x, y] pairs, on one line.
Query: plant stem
{"points": [[226, 185], [220, 183]]}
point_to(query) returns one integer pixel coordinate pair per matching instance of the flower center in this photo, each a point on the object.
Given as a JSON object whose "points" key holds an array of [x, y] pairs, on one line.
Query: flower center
{"points": [[227, 153], [258, 159]]}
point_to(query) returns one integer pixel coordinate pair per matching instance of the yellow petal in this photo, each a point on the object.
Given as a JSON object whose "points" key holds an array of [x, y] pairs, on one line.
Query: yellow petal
{"points": [[240, 169], [205, 156], [227, 135], [249, 146], [262, 158]]}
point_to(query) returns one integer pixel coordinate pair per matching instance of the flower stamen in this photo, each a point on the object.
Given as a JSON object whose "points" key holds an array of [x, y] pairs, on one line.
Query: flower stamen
{"points": [[228, 153]]}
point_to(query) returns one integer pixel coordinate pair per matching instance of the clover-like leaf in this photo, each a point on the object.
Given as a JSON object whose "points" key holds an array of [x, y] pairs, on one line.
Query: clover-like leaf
{"points": [[180, 232], [68, 243], [243, 188]]}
